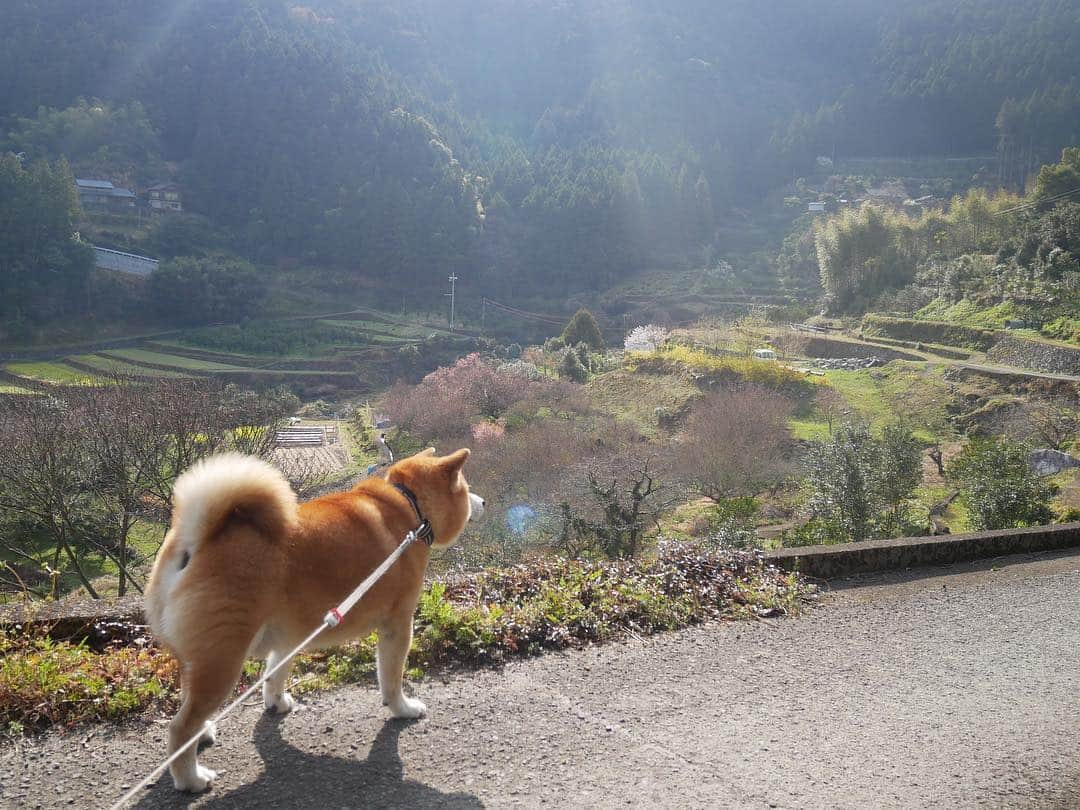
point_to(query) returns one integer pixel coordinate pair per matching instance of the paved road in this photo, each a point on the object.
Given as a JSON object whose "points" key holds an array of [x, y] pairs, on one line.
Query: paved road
{"points": [[954, 688]]}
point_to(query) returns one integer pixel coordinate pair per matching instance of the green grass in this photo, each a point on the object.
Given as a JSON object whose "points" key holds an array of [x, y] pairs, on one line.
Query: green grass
{"points": [[377, 328], [223, 355], [811, 428], [144, 539], [900, 390], [969, 313], [956, 516], [56, 373], [14, 389], [111, 365]]}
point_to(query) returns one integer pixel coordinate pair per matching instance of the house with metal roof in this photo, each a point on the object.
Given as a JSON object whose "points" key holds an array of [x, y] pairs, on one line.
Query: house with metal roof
{"points": [[102, 195]]}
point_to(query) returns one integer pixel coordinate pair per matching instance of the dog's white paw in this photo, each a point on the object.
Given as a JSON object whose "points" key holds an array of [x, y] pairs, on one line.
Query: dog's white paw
{"points": [[407, 707], [196, 781], [282, 704], [209, 733]]}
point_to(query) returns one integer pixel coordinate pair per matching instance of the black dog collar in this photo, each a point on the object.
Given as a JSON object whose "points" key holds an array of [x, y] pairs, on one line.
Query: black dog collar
{"points": [[423, 531]]}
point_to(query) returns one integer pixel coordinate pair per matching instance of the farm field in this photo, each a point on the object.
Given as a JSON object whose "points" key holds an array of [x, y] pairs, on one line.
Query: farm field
{"points": [[110, 365], [54, 373], [144, 356], [320, 354]]}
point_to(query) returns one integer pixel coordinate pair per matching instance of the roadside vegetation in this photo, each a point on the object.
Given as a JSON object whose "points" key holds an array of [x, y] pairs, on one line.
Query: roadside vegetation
{"points": [[480, 619]]}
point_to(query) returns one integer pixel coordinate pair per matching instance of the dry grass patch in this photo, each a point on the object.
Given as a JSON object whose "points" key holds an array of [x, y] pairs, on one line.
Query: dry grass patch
{"points": [[636, 397]]}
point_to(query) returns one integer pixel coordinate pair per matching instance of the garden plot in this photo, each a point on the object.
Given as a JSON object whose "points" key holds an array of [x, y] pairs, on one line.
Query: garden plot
{"points": [[305, 463]]}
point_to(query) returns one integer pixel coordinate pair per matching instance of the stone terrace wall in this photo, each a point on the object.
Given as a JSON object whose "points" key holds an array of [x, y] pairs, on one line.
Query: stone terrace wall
{"points": [[1033, 354], [845, 559], [824, 347]]}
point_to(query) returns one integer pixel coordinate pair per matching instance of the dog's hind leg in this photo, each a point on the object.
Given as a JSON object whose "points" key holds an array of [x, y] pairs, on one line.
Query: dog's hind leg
{"points": [[205, 687], [394, 641], [274, 695]]}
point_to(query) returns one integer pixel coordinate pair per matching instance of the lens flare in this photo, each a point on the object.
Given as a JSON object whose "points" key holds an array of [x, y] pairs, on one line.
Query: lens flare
{"points": [[520, 517]]}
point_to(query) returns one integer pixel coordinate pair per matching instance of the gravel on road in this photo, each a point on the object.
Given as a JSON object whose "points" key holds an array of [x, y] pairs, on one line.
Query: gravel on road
{"points": [[945, 687]]}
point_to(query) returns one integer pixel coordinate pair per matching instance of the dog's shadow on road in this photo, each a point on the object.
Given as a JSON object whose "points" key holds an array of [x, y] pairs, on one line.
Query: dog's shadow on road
{"points": [[295, 778]]}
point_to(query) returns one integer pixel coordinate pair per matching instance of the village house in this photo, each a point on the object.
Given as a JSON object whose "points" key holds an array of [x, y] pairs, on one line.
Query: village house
{"points": [[102, 195], [164, 197]]}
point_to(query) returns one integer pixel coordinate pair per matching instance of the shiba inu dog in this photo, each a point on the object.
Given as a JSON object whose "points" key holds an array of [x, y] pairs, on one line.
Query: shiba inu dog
{"points": [[245, 571]]}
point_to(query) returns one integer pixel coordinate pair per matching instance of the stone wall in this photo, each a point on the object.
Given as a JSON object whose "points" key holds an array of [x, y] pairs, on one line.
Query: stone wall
{"points": [[830, 347], [1036, 355], [845, 559]]}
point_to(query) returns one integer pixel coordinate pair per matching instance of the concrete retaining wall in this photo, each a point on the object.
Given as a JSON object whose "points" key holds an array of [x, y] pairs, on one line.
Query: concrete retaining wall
{"points": [[832, 562]]}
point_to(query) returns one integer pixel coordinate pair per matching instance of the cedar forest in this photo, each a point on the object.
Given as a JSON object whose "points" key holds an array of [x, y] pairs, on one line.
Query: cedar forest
{"points": [[533, 146]]}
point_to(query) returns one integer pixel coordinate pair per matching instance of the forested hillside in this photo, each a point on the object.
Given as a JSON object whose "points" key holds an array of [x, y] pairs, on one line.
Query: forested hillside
{"points": [[531, 145]]}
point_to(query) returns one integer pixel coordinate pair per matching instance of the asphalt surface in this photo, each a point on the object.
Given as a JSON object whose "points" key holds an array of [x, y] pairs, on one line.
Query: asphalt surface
{"points": [[947, 687]]}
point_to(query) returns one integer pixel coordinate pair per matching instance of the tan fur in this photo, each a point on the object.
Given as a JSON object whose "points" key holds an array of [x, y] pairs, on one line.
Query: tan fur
{"points": [[262, 572]]}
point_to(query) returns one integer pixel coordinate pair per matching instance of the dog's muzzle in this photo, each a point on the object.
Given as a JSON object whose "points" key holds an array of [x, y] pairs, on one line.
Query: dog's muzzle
{"points": [[476, 506]]}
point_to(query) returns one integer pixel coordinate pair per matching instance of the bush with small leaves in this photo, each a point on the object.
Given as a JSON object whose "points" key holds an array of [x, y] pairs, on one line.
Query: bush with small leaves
{"points": [[998, 485], [571, 367]]}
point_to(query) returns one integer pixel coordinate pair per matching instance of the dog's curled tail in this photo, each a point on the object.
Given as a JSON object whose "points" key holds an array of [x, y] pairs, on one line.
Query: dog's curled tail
{"points": [[228, 487]]}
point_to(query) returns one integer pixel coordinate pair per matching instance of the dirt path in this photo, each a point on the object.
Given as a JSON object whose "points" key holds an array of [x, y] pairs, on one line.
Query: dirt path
{"points": [[952, 688]]}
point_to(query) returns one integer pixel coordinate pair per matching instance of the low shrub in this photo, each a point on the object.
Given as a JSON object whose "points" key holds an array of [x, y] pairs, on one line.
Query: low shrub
{"points": [[571, 368], [558, 603], [46, 682]]}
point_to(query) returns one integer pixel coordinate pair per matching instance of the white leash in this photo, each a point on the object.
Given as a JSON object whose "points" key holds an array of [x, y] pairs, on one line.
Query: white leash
{"points": [[332, 619]]}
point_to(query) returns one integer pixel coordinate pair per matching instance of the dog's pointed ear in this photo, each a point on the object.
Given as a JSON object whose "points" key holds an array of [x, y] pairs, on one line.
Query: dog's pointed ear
{"points": [[424, 453], [455, 461]]}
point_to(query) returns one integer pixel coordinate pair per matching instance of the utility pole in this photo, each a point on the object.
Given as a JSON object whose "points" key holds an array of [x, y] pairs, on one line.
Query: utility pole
{"points": [[452, 279], [483, 314]]}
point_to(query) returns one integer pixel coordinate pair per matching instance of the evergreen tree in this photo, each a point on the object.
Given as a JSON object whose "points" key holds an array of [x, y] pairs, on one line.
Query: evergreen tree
{"points": [[582, 328]]}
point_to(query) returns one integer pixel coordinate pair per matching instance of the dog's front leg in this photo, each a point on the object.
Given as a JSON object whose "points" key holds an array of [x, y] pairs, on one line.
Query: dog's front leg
{"points": [[394, 643]]}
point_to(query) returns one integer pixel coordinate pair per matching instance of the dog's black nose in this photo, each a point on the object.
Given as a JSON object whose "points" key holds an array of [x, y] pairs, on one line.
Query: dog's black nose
{"points": [[483, 502]]}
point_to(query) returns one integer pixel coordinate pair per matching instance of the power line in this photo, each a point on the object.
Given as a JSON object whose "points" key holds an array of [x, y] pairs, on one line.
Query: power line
{"points": [[537, 317], [1034, 203]]}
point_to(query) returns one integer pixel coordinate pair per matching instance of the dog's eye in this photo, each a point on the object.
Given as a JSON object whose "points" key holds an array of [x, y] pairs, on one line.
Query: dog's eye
{"points": [[185, 560]]}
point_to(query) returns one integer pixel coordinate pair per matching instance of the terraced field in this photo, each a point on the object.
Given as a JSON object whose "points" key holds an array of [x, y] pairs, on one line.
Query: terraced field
{"points": [[375, 331], [110, 365], [13, 390], [312, 354], [54, 373], [146, 357]]}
